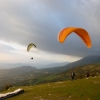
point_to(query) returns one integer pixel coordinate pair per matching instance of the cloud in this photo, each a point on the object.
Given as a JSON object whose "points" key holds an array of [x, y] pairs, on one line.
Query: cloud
{"points": [[6, 48], [39, 22]]}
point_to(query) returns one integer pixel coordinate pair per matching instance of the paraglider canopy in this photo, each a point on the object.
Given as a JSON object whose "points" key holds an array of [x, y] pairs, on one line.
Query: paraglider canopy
{"points": [[30, 46], [82, 33]]}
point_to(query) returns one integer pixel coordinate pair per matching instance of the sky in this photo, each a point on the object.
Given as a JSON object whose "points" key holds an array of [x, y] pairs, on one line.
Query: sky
{"points": [[39, 21]]}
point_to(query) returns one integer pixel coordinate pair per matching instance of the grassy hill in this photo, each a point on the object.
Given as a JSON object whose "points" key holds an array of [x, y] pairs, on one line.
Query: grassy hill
{"points": [[93, 69], [81, 89], [27, 75], [45, 77]]}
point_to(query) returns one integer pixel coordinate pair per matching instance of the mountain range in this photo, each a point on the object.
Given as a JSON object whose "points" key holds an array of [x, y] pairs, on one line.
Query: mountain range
{"points": [[24, 73], [51, 68]]}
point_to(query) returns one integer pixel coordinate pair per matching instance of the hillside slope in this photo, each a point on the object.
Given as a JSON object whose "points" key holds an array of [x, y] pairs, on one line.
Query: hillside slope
{"points": [[93, 69], [82, 89]]}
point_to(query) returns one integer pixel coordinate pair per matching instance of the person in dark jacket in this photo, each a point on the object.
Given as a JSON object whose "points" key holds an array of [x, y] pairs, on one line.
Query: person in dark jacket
{"points": [[72, 75]]}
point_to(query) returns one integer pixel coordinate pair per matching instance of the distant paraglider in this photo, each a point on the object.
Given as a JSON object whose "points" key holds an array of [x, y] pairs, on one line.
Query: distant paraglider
{"points": [[30, 46], [82, 33]]}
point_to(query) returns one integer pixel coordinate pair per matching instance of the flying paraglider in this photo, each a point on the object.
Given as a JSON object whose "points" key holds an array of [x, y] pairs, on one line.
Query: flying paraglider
{"points": [[30, 46], [82, 33]]}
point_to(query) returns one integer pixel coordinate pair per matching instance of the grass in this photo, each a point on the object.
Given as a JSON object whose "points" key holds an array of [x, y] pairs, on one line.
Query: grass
{"points": [[82, 89]]}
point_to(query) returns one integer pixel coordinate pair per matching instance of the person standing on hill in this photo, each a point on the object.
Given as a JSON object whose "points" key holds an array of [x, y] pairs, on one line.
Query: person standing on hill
{"points": [[72, 75], [87, 75]]}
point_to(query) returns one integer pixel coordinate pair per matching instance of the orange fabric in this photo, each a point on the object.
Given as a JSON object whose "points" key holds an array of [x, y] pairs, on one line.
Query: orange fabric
{"points": [[82, 33]]}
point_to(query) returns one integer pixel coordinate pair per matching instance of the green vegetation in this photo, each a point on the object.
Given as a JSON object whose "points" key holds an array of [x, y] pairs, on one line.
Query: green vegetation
{"points": [[58, 86], [27, 75], [81, 89], [93, 69]]}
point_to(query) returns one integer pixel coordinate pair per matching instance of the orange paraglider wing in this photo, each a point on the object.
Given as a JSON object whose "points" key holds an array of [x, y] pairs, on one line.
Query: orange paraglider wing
{"points": [[82, 33]]}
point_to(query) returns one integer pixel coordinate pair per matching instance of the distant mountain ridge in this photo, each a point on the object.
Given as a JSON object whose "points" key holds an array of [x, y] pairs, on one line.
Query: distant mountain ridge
{"points": [[11, 65], [53, 65], [28, 69], [16, 71], [84, 61], [81, 62]]}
